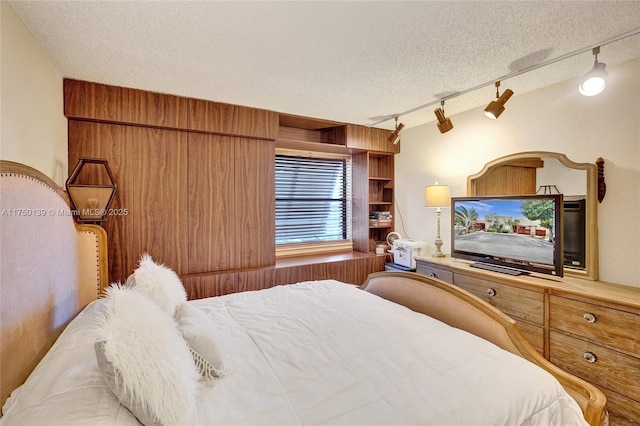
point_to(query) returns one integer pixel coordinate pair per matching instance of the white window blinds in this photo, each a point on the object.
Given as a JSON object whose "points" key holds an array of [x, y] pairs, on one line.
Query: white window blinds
{"points": [[312, 199]]}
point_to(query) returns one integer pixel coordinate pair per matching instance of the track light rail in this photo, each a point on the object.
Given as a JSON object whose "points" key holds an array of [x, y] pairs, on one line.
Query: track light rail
{"points": [[514, 74]]}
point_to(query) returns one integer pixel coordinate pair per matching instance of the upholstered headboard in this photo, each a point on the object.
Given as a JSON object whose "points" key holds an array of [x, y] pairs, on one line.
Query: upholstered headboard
{"points": [[50, 268]]}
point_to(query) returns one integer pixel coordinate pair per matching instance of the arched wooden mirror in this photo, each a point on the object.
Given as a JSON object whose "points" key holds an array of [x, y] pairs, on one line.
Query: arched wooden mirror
{"points": [[539, 172]]}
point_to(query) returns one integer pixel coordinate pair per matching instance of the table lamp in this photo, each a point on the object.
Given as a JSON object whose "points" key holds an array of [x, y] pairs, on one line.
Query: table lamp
{"points": [[437, 196]]}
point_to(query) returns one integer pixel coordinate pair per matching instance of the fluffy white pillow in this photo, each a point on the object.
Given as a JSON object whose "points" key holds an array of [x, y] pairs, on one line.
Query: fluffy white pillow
{"points": [[159, 282], [145, 361], [203, 339]]}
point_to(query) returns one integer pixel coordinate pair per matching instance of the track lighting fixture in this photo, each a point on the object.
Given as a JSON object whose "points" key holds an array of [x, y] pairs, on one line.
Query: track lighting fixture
{"points": [[394, 137], [594, 81], [495, 108], [444, 123]]}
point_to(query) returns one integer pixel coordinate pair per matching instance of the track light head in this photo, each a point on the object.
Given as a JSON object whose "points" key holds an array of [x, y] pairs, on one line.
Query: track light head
{"points": [[444, 123], [394, 137], [495, 108], [594, 81]]}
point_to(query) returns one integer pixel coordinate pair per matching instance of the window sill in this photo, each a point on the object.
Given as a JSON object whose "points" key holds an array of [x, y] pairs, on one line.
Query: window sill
{"points": [[321, 258]]}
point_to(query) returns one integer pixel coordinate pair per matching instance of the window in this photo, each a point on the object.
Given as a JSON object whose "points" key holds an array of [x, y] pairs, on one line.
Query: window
{"points": [[313, 202]]}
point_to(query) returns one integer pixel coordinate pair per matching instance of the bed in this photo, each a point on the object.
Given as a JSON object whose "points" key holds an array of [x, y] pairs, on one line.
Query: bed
{"points": [[400, 349]]}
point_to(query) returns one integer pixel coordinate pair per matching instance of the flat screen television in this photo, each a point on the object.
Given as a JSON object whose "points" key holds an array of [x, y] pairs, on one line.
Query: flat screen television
{"points": [[510, 234]]}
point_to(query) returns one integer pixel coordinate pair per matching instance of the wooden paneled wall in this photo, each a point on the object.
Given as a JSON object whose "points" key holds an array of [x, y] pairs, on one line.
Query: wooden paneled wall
{"points": [[195, 188], [350, 268], [515, 177], [196, 198], [370, 139]]}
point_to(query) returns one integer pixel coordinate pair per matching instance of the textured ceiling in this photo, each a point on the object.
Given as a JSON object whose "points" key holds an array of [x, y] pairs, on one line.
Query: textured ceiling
{"points": [[346, 61]]}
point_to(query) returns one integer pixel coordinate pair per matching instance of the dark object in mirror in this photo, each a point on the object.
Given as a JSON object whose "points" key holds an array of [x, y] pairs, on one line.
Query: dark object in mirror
{"points": [[602, 186]]}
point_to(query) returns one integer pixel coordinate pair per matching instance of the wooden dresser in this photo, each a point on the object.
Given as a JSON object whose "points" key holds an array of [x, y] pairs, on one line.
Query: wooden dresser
{"points": [[588, 328]]}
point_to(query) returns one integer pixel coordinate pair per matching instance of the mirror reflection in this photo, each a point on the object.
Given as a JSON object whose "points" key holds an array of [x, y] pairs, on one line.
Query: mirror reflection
{"points": [[550, 173]]}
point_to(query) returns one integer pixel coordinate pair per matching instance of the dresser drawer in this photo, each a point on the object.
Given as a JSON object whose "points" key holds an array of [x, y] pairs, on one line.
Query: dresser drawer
{"points": [[609, 327], [534, 335], [601, 366], [622, 410], [513, 301], [433, 272]]}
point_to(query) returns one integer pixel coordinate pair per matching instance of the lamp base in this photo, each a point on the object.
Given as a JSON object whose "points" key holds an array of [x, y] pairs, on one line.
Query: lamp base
{"points": [[438, 241], [438, 252]]}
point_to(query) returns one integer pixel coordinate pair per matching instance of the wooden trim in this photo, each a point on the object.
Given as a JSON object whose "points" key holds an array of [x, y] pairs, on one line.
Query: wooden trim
{"points": [[101, 254], [360, 201], [103, 103], [352, 267], [84, 100], [215, 117], [302, 122], [370, 139]]}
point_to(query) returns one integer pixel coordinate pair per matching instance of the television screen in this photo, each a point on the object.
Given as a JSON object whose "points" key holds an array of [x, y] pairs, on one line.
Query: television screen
{"points": [[510, 234]]}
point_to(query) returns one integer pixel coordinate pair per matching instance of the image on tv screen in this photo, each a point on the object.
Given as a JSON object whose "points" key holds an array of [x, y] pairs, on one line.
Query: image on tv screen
{"points": [[514, 230]]}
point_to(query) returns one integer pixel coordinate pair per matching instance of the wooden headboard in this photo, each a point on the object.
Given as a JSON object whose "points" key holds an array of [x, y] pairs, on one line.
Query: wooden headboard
{"points": [[50, 268]]}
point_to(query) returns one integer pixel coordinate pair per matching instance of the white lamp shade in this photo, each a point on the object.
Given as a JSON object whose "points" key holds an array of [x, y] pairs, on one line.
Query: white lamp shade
{"points": [[437, 196]]}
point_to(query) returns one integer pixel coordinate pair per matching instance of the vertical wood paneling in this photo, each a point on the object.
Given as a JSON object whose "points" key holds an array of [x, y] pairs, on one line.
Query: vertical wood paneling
{"points": [[198, 202], [160, 213], [378, 140], [149, 166], [215, 117], [337, 270], [100, 102], [360, 203], [347, 270], [106, 141], [370, 139], [200, 287], [507, 180], [256, 279], [357, 270], [355, 137], [294, 274], [212, 213], [254, 236]]}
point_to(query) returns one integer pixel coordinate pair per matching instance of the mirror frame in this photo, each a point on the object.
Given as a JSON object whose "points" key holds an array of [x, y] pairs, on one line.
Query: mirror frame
{"points": [[591, 220]]}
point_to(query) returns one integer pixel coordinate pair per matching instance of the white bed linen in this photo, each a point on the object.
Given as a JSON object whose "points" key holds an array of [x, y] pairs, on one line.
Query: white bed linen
{"points": [[318, 352]]}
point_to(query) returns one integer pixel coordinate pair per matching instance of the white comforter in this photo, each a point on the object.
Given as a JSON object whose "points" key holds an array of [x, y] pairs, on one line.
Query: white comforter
{"points": [[317, 352]]}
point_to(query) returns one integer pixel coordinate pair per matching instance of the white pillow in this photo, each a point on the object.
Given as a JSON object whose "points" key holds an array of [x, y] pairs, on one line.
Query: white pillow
{"points": [[159, 282], [203, 339], [145, 361]]}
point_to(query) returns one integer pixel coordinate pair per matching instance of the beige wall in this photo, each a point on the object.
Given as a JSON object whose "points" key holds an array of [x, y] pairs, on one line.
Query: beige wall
{"points": [[33, 129], [556, 118]]}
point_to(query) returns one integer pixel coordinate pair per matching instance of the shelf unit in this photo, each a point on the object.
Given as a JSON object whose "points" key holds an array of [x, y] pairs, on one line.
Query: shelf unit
{"points": [[373, 174]]}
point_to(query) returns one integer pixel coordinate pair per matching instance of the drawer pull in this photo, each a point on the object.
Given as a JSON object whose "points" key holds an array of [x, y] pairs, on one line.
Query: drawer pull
{"points": [[589, 317], [590, 357], [432, 275], [491, 292]]}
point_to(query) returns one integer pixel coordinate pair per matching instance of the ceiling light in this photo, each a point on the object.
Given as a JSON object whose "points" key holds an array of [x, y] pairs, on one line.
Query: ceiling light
{"points": [[394, 137], [594, 81], [444, 123], [524, 70], [495, 108]]}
